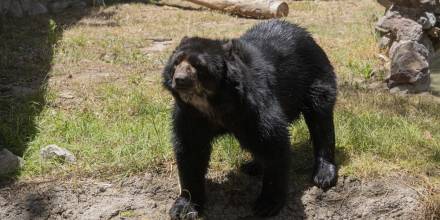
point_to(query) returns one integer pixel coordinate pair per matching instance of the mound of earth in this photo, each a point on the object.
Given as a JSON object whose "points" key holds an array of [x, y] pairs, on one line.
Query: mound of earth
{"points": [[229, 197]]}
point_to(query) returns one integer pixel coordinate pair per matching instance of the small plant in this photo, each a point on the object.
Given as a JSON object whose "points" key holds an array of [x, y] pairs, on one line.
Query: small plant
{"points": [[365, 69], [52, 34], [127, 214]]}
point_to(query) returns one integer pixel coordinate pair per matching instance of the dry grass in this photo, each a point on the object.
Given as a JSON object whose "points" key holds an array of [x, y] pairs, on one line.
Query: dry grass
{"points": [[432, 207]]}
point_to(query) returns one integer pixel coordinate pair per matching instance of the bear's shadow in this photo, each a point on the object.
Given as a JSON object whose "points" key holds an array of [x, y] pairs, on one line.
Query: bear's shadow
{"points": [[232, 196]]}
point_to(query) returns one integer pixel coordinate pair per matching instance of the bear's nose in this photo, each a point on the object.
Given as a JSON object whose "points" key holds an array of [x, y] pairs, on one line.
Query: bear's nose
{"points": [[182, 81]]}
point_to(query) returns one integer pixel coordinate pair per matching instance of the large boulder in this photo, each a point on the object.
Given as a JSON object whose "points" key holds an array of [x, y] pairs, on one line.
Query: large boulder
{"points": [[20, 8], [409, 33], [9, 162], [410, 67], [407, 3]]}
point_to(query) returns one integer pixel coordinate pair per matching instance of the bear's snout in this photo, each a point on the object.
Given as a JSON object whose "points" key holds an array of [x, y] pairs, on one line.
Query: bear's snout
{"points": [[184, 76], [182, 81]]}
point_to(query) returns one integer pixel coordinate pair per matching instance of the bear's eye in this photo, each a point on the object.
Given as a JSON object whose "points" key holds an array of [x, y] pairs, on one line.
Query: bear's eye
{"points": [[179, 56]]}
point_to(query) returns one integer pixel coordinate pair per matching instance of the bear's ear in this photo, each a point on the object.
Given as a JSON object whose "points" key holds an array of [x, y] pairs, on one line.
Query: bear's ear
{"points": [[177, 57], [228, 49], [184, 39]]}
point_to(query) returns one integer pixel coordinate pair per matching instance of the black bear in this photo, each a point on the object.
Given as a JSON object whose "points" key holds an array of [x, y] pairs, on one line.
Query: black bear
{"points": [[251, 87]]}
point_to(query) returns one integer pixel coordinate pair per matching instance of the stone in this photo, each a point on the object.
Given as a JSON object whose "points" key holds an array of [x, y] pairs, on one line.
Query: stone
{"points": [[4, 6], [383, 24], [59, 6], [427, 21], [434, 32], [25, 5], [407, 3], [103, 187], [385, 3], [54, 152], [407, 29], [20, 8], [79, 4], [385, 42], [9, 162], [401, 27], [410, 33], [406, 89], [37, 9], [410, 67], [429, 46], [15, 9]]}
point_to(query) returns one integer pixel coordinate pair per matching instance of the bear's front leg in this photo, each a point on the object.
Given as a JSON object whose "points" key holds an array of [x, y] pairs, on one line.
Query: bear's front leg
{"points": [[192, 150]]}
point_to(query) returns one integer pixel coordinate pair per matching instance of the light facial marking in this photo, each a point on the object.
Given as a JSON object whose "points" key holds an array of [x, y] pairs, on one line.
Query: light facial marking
{"points": [[199, 102], [196, 95], [184, 70]]}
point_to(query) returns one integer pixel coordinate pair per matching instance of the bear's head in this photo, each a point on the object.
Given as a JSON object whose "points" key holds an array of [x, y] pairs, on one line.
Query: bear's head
{"points": [[195, 68], [201, 68]]}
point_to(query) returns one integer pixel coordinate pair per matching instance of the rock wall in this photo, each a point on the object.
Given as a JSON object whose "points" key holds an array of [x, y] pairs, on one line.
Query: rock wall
{"points": [[409, 31], [20, 8]]}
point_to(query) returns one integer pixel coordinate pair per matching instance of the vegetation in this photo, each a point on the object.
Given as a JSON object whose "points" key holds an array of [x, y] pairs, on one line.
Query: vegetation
{"points": [[103, 98]]}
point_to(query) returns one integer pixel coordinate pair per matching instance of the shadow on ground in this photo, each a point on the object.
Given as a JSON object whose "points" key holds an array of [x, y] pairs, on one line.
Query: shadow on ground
{"points": [[230, 197], [435, 74], [26, 57], [234, 194], [26, 53]]}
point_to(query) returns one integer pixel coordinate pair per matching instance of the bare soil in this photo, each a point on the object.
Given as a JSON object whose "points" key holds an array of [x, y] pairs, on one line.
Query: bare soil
{"points": [[229, 197]]}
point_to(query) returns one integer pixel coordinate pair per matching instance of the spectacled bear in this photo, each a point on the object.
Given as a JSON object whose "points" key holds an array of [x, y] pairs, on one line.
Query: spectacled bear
{"points": [[251, 87]]}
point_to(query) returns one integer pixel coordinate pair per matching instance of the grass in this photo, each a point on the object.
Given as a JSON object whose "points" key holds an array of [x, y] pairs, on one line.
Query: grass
{"points": [[117, 120]]}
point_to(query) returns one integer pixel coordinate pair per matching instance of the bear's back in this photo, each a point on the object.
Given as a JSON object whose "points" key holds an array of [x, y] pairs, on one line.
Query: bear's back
{"points": [[298, 60]]}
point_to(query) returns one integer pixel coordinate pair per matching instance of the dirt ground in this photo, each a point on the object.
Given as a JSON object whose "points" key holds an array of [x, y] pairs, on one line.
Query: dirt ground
{"points": [[229, 197], [149, 196]]}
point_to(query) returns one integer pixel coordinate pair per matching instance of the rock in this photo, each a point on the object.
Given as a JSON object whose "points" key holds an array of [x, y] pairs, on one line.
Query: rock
{"points": [[385, 3], [37, 9], [25, 5], [79, 4], [385, 42], [20, 8], [383, 24], [410, 67], [429, 46], [15, 9], [407, 3], [54, 152], [406, 89], [401, 27], [9, 162], [4, 6], [410, 34], [407, 29], [103, 187], [59, 6], [434, 32], [427, 21], [148, 177]]}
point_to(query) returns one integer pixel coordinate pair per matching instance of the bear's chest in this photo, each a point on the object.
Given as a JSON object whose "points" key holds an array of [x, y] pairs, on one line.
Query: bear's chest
{"points": [[201, 103]]}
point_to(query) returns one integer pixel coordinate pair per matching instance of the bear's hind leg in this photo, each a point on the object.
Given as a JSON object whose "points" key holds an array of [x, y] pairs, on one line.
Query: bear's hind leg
{"points": [[272, 151]]}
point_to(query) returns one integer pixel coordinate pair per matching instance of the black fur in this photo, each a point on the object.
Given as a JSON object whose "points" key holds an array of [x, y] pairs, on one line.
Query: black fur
{"points": [[255, 86]]}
